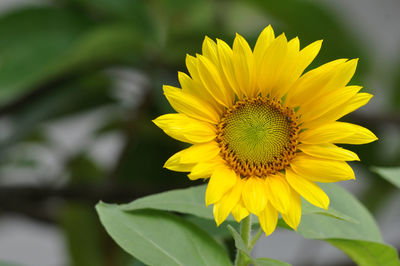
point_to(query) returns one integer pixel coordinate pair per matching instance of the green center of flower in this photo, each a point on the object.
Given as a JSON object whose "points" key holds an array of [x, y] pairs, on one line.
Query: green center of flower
{"points": [[256, 132], [257, 136]]}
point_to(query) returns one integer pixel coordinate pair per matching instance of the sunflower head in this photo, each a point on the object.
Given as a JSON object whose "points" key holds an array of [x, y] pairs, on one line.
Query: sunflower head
{"points": [[261, 130], [257, 137]]}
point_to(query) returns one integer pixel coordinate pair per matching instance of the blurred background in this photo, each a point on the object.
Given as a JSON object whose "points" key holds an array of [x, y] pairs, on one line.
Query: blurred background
{"points": [[81, 80]]}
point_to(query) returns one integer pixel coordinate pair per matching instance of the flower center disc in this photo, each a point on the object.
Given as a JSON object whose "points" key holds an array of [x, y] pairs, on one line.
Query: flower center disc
{"points": [[258, 137]]}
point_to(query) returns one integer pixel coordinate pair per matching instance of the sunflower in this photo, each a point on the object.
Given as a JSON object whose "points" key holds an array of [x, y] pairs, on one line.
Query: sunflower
{"points": [[263, 132]]}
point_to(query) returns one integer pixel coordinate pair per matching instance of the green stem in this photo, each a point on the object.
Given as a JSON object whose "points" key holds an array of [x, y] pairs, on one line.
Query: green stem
{"points": [[255, 238], [245, 230]]}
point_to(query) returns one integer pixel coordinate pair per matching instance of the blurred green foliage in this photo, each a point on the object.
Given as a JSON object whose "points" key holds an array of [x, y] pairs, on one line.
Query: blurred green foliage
{"points": [[58, 61]]}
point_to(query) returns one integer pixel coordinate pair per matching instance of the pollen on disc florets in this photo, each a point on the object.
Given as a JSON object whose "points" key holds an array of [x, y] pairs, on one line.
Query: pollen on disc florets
{"points": [[258, 136]]}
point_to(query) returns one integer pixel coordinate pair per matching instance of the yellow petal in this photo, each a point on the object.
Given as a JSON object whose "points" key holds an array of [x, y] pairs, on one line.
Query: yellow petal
{"points": [[206, 169], [194, 86], [311, 83], [271, 64], [191, 64], [328, 133], [221, 181], [342, 76], [210, 77], [173, 164], [293, 216], [196, 89], [190, 105], [307, 189], [360, 99], [209, 50], [279, 192], [268, 219], [225, 55], [327, 102], [264, 40], [308, 53], [360, 135], [189, 85], [295, 63], [223, 207], [337, 132], [186, 129], [356, 102], [321, 170], [244, 66], [254, 195], [239, 212], [197, 153], [178, 167], [286, 73], [328, 151]]}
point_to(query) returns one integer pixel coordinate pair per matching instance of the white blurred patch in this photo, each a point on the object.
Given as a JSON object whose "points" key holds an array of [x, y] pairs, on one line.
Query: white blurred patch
{"points": [[129, 86], [292, 248], [389, 142], [30, 243], [31, 164], [7, 5], [376, 25], [6, 128], [389, 219], [106, 148]]}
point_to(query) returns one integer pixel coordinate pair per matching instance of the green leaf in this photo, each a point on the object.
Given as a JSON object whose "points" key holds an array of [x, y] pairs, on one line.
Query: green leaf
{"points": [[270, 262], [188, 200], [366, 253], [346, 218], [355, 239], [391, 174], [160, 238], [239, 242], [219, 232], [322, 227], [308, 208]]}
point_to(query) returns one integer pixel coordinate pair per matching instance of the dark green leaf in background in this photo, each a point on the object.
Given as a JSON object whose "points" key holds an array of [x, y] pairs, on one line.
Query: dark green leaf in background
{"points": [[83, 235], [42, 44], [311, 21]]}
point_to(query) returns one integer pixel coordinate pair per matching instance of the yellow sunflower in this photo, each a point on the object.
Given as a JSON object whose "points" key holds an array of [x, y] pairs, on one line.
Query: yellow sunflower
{"points": [[260, 129]]}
